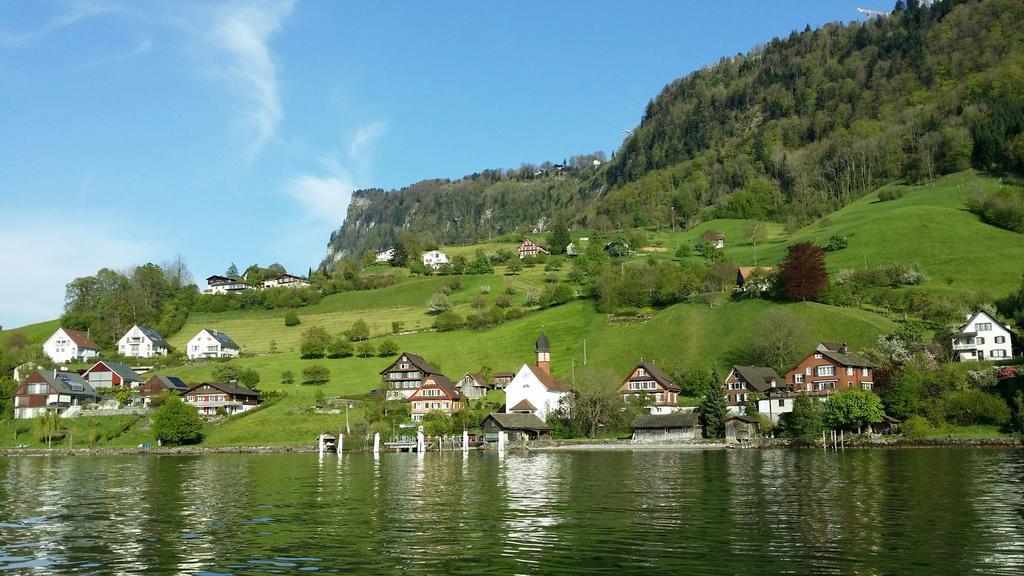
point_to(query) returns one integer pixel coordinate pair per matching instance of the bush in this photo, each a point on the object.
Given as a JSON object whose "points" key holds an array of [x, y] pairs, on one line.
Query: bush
{"points": [[917, 428], [556, 294], [360, 331], [396, 327], [438, 304], [340, 348], [1003, 208], [287, 377], [448, 321], [314, 342], [316, 374], [892, 194], [291, 318], [365, 350], [837, 242], [970, 407], [387, 348], [177, 423]]}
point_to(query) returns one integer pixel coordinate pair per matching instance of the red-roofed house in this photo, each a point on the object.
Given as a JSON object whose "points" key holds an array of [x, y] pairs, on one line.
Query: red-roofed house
{"points": [[66, 345], [435, 394], [530, 248], [647, 379]]}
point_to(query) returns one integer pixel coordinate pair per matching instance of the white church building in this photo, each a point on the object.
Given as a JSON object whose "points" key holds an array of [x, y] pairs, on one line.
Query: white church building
{"points": [[533, 390]]}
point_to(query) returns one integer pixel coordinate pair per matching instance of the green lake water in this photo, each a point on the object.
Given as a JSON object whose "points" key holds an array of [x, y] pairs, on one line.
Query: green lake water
{"points": [[927, 511]]}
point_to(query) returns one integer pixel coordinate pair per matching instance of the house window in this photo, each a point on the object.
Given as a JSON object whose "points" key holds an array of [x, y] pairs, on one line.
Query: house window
{"points": [[1000, 339], [828, 370], [807, 371], [817, 356], [849, 370], [865, 386], [782, 402], [798, 378], [998, 354], [983, 326], [979, 340], [641, 372], [865, 371]]}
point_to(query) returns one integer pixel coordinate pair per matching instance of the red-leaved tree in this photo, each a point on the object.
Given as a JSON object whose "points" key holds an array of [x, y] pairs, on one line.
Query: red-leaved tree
{"points": [[803, 272]]}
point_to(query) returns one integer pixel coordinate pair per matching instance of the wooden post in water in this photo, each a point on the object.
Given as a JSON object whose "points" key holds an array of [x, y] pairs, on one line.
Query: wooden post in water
{"points": [[376, 442], [824, 446], [842, 440], [341, 443], [501, 441], [465, 441]]}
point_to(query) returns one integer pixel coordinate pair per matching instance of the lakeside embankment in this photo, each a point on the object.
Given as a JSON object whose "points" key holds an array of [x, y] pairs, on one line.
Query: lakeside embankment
{"points": [[553, 446]]}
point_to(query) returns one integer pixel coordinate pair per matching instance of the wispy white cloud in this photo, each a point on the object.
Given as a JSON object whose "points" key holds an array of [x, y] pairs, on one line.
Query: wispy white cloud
{"points": [[326, 196], [243, 30], [74, 13], [141, 48], [72, 250]]}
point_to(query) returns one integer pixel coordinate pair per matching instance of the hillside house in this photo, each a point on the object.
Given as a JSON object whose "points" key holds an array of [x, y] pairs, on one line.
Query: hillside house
{"points": [[518, 427], [533, 390], [434, 259], [776, 402], [435, 394], [107, 374], [648, 379], [142, 342], [982, 338], [529, 248], [385, 256], [831, 367], [51, 391], [210, 343], [209, 398], [66, 345], [761, 281], [671, 426], [403, 376], [501, 379], [742, 381], [159, 384], [286, 281], [224, 285], [715, 239], [472, 386]]}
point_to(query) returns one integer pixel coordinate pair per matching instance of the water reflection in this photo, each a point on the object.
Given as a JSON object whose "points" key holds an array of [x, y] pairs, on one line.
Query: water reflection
{"points": [[720, 512]]}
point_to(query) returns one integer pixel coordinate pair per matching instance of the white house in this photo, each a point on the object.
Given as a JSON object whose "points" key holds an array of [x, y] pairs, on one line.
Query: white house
{"points": [[286, 281], [533, 390], [211, 344], [224, 285], [142, 342], [982, 338], [385, 256], [434, 259], [67, 344]]}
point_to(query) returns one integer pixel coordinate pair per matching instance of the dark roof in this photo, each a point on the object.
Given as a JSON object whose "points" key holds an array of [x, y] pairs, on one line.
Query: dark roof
{"points": [[760, 377], [659, 376], [81, 339], [518, 421], [233, 389], [670, 420], [504, 375], [549, 382], [524, 405], [416, 361], [831, 350], [67, 383], [542, 343], [173, 382], [442, 382], [154, 336], [477, 379], [744, 418], [224, 339], [122, 370]]}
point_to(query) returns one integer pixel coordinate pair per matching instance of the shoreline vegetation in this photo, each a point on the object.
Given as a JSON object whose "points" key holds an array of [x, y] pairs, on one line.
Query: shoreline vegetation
{"points": [[553, 446]]}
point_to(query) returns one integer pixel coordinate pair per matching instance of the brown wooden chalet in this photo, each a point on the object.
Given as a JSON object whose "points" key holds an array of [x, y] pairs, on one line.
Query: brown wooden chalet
{"points": [[472, 386], [830, 368], [501, 379], [671, 426], [742, 381], [405, 375], [160, 384], [435, 394], [646, 378], [530, 248], [107, 374], [214, 398], [518, 427], [51, 391]]}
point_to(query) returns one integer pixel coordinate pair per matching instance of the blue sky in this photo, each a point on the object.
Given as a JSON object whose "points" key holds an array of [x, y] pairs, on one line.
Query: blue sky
{"points": [[135, 130]]}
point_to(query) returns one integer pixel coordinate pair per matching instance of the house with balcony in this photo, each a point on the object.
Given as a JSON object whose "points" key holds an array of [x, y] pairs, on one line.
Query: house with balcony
{"points": [[830, 368], [66, 345], [982, 338], [51, 391], [530, 248], [107, 374], [400, 379], [210, 343], [648, 380], [160, 384], [434, 259], [286, 281], [743, 381], [214, 398], [142, 342], [224, 285], [435, 394]]}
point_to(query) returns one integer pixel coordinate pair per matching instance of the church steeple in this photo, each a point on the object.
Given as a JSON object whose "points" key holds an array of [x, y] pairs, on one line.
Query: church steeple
{"points": [[543, 353]]}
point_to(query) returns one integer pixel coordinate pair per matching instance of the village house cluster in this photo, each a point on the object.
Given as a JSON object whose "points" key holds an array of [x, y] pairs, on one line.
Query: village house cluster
{"points": [[217, 284]]}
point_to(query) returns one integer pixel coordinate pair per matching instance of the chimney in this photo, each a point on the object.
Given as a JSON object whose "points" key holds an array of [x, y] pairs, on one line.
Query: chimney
{"points": [[843, 348], [544, 353]]}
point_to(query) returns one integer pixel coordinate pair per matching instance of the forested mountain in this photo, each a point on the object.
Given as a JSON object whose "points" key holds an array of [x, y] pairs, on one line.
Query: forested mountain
{"points": [[789, 131]]}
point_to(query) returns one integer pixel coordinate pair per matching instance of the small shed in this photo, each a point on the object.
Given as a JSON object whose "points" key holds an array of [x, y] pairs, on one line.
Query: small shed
{"points": [[672, 426], [887, 425], [741, 428], [518, 427]]}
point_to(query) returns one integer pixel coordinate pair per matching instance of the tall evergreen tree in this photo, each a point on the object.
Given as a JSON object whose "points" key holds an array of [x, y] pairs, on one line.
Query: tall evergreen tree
{"points": [[559, 237], [803, 273], [714, 409]]}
